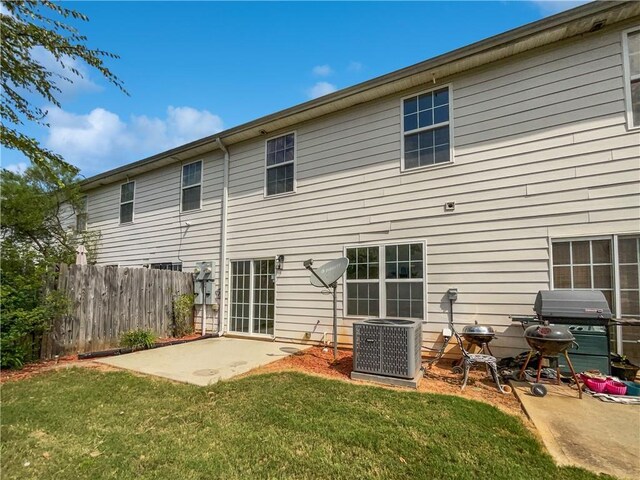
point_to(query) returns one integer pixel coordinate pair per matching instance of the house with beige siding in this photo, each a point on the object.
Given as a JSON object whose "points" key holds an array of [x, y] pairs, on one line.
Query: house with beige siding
{"points": [[502, 168]]}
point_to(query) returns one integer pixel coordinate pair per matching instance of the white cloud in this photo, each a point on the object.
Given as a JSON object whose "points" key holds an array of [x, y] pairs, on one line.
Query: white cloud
{"points": [[320, 89], [555, 6], [81, 83], [322, 70], [190, 124], [354, 66], [101, 139], [19, 167]]}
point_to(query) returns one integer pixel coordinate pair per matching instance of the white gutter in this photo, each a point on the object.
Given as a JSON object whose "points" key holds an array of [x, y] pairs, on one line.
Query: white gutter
{"points": [[223, 238]]}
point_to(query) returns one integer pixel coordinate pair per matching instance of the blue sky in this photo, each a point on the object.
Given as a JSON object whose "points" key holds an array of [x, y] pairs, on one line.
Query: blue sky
{"points": [[195, 68]]}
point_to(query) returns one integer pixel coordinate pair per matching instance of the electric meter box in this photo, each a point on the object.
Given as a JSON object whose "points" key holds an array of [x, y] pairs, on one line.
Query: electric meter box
{"points": [[203, 285]]}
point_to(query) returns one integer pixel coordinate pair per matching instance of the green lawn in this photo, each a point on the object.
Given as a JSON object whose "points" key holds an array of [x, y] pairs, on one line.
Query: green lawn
{"points": [[80, 423]]}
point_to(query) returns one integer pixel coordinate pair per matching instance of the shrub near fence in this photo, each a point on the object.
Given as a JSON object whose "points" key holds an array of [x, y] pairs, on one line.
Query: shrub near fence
{"points": [[105, 302]]}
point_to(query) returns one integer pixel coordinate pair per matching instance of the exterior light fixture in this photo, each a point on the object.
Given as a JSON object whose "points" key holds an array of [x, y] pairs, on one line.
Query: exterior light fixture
{"points": [[279, 262]]}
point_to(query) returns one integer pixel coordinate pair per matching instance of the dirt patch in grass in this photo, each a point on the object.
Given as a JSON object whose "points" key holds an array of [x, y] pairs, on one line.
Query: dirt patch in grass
{"points": [[33, 369], [68, 361], [438, 379], [191, 336]]}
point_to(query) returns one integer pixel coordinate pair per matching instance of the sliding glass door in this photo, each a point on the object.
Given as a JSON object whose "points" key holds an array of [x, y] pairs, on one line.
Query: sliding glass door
{"points": [[610, 264], [629, 266], [252, 297]]}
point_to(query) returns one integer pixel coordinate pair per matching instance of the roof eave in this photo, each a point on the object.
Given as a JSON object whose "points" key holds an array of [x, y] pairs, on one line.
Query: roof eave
{"points": [[558, 27]]}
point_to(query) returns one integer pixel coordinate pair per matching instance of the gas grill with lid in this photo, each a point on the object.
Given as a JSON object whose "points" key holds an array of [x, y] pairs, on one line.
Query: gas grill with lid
{"points": [[587, 315], [588, 307]]}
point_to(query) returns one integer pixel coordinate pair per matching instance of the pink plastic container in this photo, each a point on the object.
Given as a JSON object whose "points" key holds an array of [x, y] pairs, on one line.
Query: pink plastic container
{"points": [[598, 385], [615, 388]]}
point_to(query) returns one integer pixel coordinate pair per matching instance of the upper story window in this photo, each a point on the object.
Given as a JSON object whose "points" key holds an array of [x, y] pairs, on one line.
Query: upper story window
{"points": [[81, 216], [191, 186], [631, 50], [426, 129], [127, 193], [280, 164]]}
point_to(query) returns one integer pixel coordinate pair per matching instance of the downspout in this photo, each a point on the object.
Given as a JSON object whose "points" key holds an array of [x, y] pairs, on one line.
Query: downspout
{"points": [[223, 238]]}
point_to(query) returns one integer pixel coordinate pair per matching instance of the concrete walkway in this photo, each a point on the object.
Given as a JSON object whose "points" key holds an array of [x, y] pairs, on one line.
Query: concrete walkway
{"points": [[204, 362], [598, 436]]}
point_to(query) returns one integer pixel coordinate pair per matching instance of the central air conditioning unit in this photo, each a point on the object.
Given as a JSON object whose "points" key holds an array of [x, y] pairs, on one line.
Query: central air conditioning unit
{"points": [[387, 347]]}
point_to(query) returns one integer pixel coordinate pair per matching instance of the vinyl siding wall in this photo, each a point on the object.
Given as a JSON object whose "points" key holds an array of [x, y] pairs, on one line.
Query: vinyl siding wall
{"points": [[154, 236], [541, 151]]}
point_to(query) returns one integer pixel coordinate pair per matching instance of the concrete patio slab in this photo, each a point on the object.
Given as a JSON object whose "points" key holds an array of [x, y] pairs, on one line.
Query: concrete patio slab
{"points": [[206, 361], [599, 436]]}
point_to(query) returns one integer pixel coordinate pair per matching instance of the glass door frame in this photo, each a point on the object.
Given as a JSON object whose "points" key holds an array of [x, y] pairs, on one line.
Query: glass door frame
{"points": [[252, 290], [619, 332], [615, 263]]}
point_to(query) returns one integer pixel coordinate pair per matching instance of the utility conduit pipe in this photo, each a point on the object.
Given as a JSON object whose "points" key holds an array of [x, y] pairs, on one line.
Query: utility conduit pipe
{"points": [[223, 237]]}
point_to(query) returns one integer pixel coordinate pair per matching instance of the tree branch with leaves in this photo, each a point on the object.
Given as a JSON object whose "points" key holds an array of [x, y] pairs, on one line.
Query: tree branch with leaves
{"points": [[39, 206], [25, 26]]}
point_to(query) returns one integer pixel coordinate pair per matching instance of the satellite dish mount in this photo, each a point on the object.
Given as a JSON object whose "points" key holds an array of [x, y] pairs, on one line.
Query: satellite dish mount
{"points": [[327, 276]]}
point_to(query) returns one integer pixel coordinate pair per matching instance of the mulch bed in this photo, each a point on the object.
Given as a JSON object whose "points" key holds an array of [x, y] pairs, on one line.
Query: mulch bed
{"points": [[31, 369], [35, 368], [319, 361], [438, 379]]}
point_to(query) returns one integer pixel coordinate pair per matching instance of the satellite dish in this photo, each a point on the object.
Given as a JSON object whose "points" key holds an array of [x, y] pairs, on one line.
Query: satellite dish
{"points": [[329, 272], [326, 276]]}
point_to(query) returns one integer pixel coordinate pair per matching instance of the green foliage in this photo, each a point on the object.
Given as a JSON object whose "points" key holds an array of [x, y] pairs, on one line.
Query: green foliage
{"points": [[23, 328], [91, 240], [26, 307], [36, 206], [183, 315], [138, 338], [43, 24]]}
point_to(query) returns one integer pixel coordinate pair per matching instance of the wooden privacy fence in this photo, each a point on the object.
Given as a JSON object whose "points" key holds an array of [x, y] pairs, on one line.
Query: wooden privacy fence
{"points": [[105, 302]]}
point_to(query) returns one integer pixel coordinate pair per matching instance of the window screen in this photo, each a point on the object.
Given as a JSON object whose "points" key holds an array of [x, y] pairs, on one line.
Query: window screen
{"points": [[280, 164], [191, 186]]}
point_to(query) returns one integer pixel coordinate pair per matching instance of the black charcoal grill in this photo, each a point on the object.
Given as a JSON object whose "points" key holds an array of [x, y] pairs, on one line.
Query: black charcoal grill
{"points": [[549, 340], [560, 314]]}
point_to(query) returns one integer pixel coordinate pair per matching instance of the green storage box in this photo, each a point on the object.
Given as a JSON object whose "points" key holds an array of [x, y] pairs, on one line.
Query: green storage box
{"points": [[582, 363], [592, 352]]}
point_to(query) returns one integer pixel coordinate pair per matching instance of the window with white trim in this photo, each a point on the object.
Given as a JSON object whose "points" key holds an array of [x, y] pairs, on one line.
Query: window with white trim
{"points": [[610, 264], [386, 281], [426, 129], [584, 265], [631, 50], [629, 264], [280, 164], [191, 186], [363, 282], [127, 193]]}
